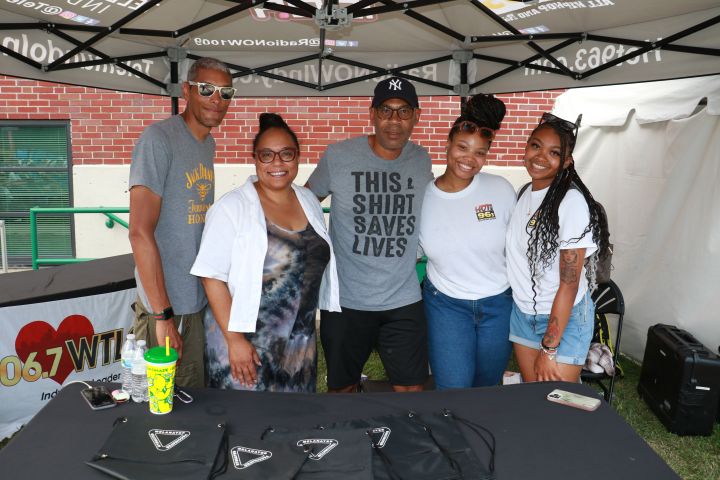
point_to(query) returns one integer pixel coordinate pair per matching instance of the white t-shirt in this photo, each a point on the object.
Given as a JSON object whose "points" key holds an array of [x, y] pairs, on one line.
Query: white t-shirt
{"points": [[463, 236], [574, 218]]}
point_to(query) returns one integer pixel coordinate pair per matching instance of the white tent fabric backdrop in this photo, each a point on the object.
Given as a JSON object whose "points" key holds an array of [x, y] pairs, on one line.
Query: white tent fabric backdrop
{"points": [[655, 166]]}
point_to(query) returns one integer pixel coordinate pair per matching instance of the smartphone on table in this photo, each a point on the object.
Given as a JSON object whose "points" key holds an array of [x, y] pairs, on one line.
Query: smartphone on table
{"points": [[98, 397], [574, 400]]}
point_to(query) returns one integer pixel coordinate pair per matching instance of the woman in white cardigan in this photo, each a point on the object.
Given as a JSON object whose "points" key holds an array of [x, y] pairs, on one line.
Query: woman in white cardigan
{"points": [[266, 263]]}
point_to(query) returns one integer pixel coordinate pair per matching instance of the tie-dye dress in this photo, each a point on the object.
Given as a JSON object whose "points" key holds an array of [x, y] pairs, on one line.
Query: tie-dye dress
{"points": [[285, 333]]}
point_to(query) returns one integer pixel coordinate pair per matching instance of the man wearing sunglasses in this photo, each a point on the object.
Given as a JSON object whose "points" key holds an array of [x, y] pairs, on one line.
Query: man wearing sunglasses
{"points": [[172, 185], [377, 183]]}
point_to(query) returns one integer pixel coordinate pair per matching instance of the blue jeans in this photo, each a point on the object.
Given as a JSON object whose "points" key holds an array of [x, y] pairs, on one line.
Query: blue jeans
{"points": [[468, 339]]}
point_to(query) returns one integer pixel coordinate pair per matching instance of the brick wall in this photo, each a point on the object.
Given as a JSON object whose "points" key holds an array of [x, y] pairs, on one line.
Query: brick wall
{"points": [[106, 124]]}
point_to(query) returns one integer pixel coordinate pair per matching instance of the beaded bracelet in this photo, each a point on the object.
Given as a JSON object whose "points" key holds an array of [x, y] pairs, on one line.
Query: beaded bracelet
{"points": [[550, 352], [545, 347]]}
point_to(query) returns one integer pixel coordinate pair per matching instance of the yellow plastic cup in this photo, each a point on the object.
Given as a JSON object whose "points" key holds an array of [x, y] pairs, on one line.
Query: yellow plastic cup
{"points": [[161, 379]]}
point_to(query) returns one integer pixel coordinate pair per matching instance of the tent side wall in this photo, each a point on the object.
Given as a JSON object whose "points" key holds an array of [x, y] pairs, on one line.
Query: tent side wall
{"points": [[658, 181]]}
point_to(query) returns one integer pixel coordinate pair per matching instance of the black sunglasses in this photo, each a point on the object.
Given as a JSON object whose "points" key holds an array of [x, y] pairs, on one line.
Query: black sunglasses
{"points": [[207, 90], [548, 117]]}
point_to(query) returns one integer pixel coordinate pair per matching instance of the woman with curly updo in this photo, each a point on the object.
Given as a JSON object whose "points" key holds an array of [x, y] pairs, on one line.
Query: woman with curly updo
{"points": [[462, 232], [556, 225]]}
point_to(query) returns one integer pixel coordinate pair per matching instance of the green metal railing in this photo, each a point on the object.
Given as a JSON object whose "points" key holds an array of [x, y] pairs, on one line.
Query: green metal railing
{"points": [[35, 211], [110, 223]]}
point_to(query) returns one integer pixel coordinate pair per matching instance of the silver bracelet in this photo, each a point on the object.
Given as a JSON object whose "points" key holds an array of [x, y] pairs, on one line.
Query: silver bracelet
{"points": [[550, 352]]}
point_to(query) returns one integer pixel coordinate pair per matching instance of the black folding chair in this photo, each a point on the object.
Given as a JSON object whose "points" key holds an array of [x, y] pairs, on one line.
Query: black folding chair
{"points": [[608, 300]]}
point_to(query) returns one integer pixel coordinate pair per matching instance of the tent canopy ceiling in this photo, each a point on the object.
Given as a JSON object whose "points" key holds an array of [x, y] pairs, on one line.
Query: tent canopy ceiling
{"points": [[299, 47]]}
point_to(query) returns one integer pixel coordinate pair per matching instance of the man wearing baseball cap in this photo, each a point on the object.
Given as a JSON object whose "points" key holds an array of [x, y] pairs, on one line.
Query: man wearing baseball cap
{"points": [[377, 183]]}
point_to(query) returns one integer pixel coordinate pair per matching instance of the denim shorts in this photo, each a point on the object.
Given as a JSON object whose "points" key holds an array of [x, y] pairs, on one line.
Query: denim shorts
{"points": [[529, 329]]}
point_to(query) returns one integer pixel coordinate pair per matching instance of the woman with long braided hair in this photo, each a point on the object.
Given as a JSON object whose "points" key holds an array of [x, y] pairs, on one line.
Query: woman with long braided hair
{"points": [[462, 232], [556, 225]]}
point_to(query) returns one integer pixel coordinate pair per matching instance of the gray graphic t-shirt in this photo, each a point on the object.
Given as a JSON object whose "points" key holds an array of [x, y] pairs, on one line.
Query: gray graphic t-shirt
{"points": [[374, 221], [168, 160]]}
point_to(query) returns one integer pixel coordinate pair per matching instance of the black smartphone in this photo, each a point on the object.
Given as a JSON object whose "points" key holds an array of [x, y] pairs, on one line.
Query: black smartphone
{"points": [[98, 398]]}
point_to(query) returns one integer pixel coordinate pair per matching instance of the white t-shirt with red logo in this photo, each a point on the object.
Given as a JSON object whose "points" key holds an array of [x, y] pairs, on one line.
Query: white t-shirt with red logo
{"points": [[574, 218], [463, 236]]}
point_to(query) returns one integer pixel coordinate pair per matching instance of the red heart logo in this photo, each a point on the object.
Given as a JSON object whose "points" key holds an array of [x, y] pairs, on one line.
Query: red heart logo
{"points": [[40, 336]]}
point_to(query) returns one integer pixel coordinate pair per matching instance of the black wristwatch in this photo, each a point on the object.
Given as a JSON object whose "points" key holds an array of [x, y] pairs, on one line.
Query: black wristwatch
{"points": [[166, 314]]}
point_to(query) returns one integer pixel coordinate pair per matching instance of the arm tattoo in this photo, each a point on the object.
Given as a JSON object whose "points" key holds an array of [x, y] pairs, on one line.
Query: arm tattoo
{"points": [[568, 266], [552, 334]]}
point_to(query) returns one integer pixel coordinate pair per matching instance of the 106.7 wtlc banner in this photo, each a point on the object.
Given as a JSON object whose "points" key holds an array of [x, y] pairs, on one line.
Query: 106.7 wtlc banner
{"points": [[46, 345]]}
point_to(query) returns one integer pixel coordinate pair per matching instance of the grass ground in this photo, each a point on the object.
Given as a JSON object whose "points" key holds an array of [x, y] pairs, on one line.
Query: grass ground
{"points": [[693, 458]]}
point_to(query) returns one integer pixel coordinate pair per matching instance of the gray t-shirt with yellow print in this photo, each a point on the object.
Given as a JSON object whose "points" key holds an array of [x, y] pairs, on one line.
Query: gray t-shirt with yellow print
{"points": [[168, 160]]}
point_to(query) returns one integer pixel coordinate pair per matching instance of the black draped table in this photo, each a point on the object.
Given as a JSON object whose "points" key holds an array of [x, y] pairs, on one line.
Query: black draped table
{"points": [[536, 439]]}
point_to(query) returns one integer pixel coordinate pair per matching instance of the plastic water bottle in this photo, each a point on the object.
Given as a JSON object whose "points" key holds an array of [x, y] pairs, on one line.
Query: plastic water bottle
{"points": [[139, 374], [126, 358]]}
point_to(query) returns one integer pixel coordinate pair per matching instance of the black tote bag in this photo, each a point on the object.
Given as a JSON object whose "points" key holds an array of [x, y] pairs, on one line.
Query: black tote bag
{"points": [[332, 454], [148, 448], [423, 447], [256, 457]]}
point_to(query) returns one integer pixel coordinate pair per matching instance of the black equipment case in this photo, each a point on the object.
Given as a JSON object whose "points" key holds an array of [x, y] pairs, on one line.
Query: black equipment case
{"points": [[680, 381]]}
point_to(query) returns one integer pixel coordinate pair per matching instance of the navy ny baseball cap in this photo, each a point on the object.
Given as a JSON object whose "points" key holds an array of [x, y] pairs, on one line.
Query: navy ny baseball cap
{"points": [[395, 87]]}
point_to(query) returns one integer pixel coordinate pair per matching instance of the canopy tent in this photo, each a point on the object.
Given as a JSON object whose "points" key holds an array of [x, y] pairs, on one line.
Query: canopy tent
{"points": [[650, 154], [291, 47], [295, 47]]}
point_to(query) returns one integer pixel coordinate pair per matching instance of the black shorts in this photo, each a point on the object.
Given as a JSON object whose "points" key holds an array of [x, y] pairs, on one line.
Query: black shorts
{"points": [[399, 335]]}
